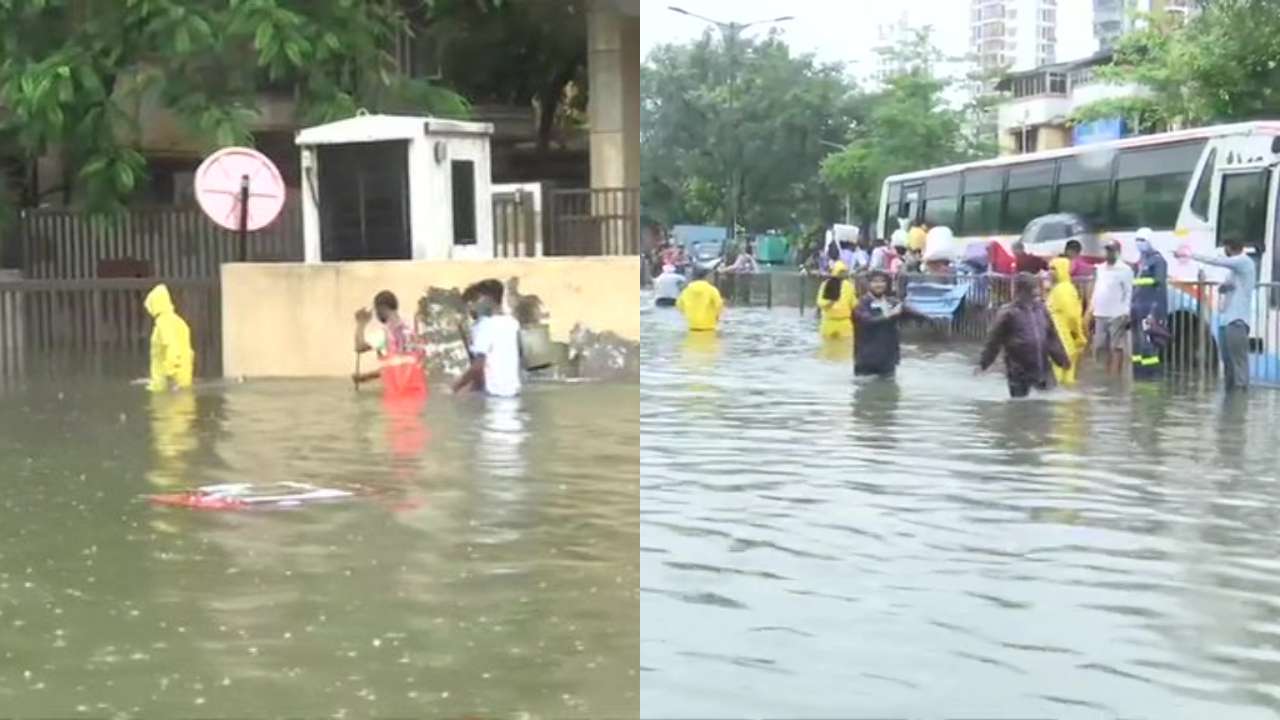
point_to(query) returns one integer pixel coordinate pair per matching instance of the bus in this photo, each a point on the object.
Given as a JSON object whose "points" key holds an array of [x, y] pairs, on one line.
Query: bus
{"points": [[1195, 189]]}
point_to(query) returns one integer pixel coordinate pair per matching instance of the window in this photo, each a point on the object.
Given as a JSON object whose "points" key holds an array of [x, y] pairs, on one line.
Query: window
{"points": [[1084, 187], [980, 208], [909, 203], [1029, 195], [942, 200], [1024, 140], [1151, 185], [464, 202], [1200, 201], [365, 212], [1058, 83], [1242, 209]]}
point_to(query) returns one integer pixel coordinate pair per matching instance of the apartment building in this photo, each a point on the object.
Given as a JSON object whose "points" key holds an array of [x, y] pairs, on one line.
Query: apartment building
{"points": [[1112, 19], [1013, 34]]}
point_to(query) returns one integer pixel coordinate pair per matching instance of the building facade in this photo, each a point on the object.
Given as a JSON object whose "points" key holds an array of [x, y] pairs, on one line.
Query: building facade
{"points": [[1013, 34], [889, 36], [1034, 115], [1112, 19]]}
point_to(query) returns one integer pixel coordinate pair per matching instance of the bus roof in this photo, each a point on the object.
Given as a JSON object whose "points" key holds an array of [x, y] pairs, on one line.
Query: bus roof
{"points": [[1246, 128]]}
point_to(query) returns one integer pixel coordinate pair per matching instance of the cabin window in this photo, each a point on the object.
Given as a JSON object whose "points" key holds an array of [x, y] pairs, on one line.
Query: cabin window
{"points": [[464, 202]]}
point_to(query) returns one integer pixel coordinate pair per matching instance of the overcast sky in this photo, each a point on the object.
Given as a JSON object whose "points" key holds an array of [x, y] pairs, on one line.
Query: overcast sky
{"points": [[846, 30]]}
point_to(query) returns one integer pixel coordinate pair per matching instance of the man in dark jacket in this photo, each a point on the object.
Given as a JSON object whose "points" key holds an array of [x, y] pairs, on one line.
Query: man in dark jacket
{"points": [[877, 346], [1025, 333]]}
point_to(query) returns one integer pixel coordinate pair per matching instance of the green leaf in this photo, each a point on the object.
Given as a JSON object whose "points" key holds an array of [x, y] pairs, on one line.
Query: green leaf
{"points": [[124, 178], [262, 39]]}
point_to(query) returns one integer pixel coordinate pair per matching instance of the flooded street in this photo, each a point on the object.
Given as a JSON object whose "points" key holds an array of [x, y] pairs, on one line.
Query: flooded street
{"points": [[486, 566], [812, 547]]}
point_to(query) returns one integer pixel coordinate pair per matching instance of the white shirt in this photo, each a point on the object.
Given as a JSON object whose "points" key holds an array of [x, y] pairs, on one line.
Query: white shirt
{"points": [[1112, 290], [497, 338], [668, 285]]}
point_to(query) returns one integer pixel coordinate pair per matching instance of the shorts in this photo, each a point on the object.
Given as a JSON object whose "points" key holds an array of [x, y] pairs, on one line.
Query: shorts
{"points": [[665, 302], [1111, 334]]}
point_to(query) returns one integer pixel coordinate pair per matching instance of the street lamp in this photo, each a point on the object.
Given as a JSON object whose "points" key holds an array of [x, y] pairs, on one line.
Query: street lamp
{"points": [[731, 31], [848, 202]]}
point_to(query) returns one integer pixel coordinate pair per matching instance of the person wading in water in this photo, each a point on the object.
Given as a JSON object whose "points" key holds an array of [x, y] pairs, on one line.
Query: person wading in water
{"points": [[877, 345]]}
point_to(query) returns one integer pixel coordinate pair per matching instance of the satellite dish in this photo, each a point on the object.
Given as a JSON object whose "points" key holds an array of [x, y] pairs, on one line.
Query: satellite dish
{"points": [[239, 189]]}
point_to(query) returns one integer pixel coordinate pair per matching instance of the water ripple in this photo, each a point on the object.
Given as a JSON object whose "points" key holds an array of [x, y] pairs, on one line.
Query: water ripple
{"points": [[928, 543]]}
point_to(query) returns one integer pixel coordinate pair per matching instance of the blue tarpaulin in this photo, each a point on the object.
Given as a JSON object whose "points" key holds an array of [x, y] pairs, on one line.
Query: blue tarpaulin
{"points": [[935, 300]]}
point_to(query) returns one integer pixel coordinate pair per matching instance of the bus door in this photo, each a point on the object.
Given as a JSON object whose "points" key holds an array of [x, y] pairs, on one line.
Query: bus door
{"points": [[910, 204], [1247, 212]]}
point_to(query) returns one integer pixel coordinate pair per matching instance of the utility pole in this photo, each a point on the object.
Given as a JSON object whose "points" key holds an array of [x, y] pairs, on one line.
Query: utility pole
{"points": [[731, 31]]}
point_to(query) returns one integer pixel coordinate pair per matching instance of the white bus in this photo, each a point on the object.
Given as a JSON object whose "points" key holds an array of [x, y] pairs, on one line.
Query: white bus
{"points": [[1193, 188]]}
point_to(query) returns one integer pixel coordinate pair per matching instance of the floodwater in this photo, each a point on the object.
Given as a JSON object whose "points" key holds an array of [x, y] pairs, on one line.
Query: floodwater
{"points": [[487, 566], [816, 547]]}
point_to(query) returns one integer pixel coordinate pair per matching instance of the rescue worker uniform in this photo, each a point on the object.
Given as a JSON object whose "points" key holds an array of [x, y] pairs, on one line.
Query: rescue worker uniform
{"points": [[172, 359], [1150, 309]]}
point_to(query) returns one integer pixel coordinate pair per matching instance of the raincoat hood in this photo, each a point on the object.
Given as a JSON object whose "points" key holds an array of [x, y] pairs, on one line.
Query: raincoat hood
{"points": [[1060, 269], [158, 301]]}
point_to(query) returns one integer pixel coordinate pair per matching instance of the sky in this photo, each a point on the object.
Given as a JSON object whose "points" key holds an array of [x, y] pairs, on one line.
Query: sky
{"points": [[846, 30]]}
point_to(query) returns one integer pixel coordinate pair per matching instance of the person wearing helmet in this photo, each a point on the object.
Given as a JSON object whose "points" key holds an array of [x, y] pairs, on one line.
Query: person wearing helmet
{"points": [[835, 302], [1150, 307]]}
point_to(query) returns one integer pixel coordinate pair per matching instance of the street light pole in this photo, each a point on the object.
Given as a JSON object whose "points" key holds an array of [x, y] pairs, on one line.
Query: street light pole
{"points": [[730, 31], [848, 199]]}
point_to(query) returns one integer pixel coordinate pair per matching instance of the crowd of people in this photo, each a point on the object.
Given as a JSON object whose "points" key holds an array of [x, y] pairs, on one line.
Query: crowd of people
{"points": [[1043, 332]]}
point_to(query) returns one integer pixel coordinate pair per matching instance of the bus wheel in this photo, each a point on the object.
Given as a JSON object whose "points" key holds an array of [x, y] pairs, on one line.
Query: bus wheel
{"points": [[1192, 347]]}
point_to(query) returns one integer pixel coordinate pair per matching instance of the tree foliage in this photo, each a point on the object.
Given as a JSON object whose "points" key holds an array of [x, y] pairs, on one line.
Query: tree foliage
{"points": [[519, 53], [783, 107], [1221, 65], [908, 126], [73, 71]]}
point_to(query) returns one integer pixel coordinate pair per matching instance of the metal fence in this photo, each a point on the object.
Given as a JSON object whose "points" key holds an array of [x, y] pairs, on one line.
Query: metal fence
{"points": [[145, 242], [58, 328], [599, 221], [1193, 315], [517, 225]]}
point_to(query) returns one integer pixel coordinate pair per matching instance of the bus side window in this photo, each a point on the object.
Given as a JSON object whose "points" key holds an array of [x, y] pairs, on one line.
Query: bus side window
{"points": [[1200, 200]]}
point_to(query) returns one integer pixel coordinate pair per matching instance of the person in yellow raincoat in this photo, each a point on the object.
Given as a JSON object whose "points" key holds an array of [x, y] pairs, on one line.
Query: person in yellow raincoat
{"points": [[172, 359], [836, 301], [701, 303], [1067, 312]]}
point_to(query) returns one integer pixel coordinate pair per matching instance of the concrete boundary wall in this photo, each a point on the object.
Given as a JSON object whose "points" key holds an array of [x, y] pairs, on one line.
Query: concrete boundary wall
{"points": [[296, 320]]}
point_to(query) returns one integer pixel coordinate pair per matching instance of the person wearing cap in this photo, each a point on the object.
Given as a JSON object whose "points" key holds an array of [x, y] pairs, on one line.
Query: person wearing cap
{"points": [[1150, 307], [1107, 317], [701, 303], [1236, 309], [668, 286], [835, 301], [877, 345]]}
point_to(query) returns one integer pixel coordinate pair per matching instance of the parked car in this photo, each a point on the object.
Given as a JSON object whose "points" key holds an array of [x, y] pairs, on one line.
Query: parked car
{"points": [[1047, 235]]}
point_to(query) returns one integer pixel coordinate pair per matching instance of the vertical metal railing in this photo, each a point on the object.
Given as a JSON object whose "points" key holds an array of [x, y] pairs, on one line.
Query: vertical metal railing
{"points": [[58, 328], [598, 221], [1193, 349], [63, 244]]}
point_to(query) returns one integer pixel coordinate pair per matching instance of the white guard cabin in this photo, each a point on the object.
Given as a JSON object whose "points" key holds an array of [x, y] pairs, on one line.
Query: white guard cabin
{"points": [[392, 187]]}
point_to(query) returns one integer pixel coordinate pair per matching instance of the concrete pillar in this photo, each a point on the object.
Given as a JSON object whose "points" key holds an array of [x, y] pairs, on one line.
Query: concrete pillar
{"points": [[613, 45]]}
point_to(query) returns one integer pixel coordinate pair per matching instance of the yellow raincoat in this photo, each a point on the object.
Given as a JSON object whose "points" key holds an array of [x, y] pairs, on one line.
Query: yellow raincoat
{"points": [[837, 315], [701, 304], [1068, 317], [172, 359]]}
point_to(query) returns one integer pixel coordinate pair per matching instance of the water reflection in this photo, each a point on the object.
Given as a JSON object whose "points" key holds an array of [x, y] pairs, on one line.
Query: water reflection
{"points": [[173, 438], [814, 546]]}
